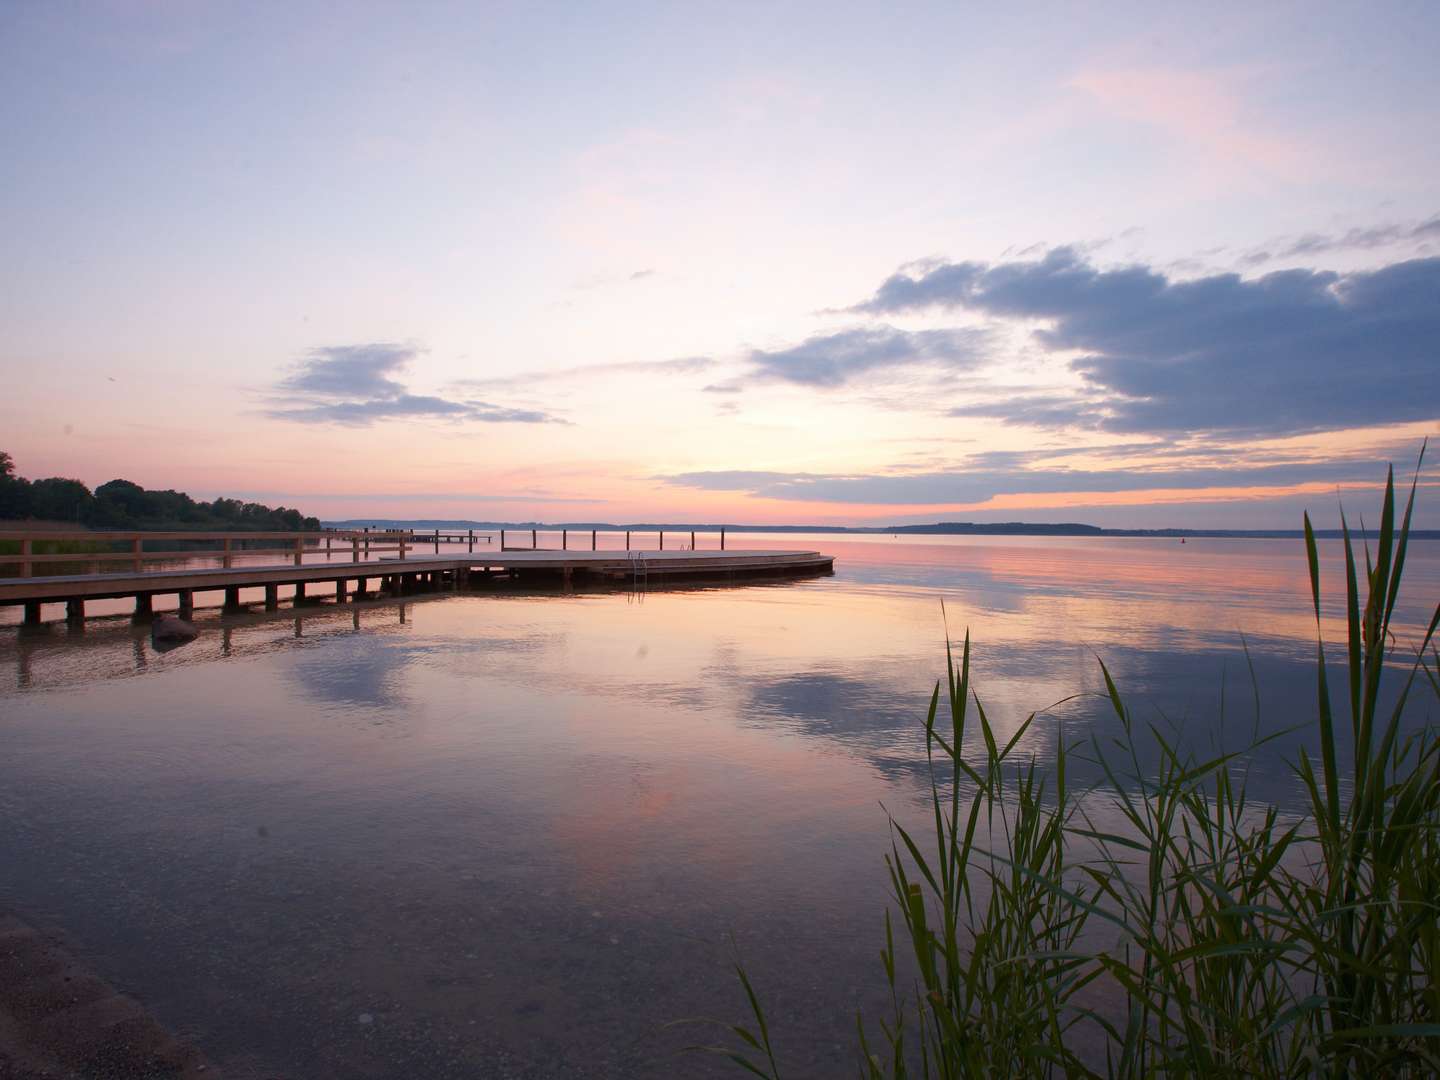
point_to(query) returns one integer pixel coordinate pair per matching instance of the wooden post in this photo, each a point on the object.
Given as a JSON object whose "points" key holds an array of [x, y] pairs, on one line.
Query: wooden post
{"points": [[402, 546], [627, 539], [367, 541], [75, 610], [437, 541], [502, 539], [135, 546], [186, 598], [142, 604], [272, 597], [692, 539], [32, 612], [360, 587], [27, 547], [592, 540], [564, 539], [299, 592], [327, 547], [354, 549], [340, 591], [662, 539], [533, 542], [226, 560], [299, 549], [470, 534], [722, 537], [232, 598]]}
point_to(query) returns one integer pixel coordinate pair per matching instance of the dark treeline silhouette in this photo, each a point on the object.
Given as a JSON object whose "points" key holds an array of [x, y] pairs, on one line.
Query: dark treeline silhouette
{"points": [[119, 504]]}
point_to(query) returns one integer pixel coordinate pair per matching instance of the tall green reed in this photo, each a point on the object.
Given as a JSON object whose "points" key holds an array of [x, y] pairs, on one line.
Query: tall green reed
{"points": [[1204, 933]]}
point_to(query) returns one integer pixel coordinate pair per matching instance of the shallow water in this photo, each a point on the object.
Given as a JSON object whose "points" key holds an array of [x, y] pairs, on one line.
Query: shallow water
{"points": [[518, 833]]}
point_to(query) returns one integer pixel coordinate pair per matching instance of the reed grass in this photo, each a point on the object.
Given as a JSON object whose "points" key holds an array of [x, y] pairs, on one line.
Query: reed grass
{"points": [[1207, 934]]}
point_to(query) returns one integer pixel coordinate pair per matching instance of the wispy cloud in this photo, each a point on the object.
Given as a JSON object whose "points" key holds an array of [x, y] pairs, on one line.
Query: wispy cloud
{"points": [[1206, 110], [1010, 475], [685, 365], [357, 385], [1290, 352], [830, 360], [1367, 238]]}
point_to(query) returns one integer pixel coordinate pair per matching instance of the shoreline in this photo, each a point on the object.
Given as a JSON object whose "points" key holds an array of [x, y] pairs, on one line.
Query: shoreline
{"points": [[59, 1019]]}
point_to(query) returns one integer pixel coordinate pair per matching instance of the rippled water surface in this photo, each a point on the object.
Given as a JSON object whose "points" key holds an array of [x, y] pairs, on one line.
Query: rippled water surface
{"points": [[518, 833]]}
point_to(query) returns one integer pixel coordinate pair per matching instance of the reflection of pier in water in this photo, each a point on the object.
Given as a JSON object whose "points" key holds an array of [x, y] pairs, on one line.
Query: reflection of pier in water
{"points": [[93, 646], [236, 634]]}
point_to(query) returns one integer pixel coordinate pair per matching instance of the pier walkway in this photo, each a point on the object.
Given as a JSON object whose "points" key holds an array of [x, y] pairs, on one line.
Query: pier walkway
{"points": [[361, 577]]}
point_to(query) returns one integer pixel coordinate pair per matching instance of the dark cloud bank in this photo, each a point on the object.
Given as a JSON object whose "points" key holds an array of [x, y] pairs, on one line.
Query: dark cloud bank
{"points": [[357, 385], [1291, 352]]}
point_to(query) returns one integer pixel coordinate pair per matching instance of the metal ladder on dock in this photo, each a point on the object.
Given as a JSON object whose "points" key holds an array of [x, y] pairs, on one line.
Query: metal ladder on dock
{"points": [[639, 571]]}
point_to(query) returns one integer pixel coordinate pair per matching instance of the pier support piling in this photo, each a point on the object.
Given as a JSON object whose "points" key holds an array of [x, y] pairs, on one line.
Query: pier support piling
{"points": [[75, 610], [232, 598], [32, 613], [299, 592], [272, 597], [185, 601], [143, 606], [340, 591]]}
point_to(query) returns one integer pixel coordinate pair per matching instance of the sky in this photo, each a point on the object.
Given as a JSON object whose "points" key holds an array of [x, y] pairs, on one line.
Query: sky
{"points": [[1128, 264]]}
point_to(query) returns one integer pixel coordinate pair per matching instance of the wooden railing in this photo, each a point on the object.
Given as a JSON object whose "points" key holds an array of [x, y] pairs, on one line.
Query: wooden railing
{"points": [[357, 544], [507, 534]]}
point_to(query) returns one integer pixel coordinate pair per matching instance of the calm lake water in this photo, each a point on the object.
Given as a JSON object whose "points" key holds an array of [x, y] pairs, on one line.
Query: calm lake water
{"points": [[516, 834]]}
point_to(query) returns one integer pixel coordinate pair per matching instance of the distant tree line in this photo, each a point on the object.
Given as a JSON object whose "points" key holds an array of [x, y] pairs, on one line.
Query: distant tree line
{"points": [[120, 504]]}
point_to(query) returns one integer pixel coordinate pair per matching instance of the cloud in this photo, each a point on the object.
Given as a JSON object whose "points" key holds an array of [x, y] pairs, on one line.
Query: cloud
{"points": [[830, 360], [1205, 110], [1004, 474], [1290, 352], [350, 371], [356, 385], [1035, 410], [685, 365], [1367, 238], [361, 413]]}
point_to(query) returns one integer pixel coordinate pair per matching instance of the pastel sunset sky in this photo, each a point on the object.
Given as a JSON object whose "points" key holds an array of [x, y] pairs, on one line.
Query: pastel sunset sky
{"points": [[1131, 264]]}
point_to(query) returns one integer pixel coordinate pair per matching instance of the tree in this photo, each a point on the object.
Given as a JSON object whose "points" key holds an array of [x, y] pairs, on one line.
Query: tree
{"points": [[59, 499], [124, 504]]}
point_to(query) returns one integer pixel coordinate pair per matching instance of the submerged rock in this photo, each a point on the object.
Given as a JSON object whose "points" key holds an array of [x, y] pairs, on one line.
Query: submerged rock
{"points": [[169, 630]]}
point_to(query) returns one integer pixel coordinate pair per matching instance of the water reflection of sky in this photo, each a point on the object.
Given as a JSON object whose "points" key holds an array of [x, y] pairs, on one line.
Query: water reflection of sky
{"points": [[518, 830]]}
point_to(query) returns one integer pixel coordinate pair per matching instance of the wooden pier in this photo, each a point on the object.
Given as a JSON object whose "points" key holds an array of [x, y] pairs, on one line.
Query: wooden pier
{"points": [[347, 570]]}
